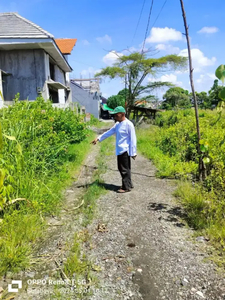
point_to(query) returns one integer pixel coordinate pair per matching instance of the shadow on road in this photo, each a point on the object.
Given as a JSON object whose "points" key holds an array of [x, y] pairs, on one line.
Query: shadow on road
{"points": [[174, 214], [114, 170], [106, 186]]}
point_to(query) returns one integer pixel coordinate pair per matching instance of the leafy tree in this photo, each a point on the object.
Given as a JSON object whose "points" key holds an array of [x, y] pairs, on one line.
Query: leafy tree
{"points": [[203, 100], [123, 93], [176, 97], [116, 100], [135, 67], [214, 94]]}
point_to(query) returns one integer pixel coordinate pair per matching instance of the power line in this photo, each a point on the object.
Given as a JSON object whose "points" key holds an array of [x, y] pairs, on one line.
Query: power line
{"points": [[159, 13], [138, 21], [146, 32]]}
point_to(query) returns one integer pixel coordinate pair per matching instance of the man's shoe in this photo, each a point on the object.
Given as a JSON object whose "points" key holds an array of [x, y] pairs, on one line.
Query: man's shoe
{"points": [[122, 191], [130, 187]]}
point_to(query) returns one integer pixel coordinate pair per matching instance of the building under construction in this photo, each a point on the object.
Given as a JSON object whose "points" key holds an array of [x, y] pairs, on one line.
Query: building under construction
{"points": [[86, 92], [91, 85]]}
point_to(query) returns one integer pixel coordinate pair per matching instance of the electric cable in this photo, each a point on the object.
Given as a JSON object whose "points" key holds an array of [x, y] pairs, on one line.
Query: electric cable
{"points": [[138, 21], [159, 12], [147, 27]]}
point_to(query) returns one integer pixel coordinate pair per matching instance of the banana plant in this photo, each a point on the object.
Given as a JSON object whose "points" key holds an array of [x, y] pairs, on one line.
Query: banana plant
{"points": [[220, 74]]}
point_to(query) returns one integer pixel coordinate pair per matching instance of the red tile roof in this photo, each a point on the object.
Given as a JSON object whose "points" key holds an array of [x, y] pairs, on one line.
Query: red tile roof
{"points": [[66, 45], [140, 102]]}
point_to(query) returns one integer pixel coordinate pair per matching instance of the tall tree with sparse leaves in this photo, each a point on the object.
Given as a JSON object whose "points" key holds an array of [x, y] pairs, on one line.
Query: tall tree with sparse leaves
{"points": [[135, 67]]}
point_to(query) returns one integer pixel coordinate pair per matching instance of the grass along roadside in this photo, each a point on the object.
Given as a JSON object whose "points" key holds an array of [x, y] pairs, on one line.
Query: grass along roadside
{"points": [[22, 228], [77, 265], [97, 187], [203, 208], [167, 166]]}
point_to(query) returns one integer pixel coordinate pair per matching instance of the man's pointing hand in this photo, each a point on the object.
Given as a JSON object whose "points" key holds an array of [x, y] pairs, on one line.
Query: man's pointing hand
{"points": [[94, 142]]}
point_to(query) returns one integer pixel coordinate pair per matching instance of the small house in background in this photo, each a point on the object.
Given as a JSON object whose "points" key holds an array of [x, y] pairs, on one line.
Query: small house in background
{"points": [[91, 101], [32, 61], [87, 93]]}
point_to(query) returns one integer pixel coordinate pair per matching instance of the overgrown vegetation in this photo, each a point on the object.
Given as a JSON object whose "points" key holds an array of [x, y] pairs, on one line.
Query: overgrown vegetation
{"points": [[177, 97], [39, 145], [172, 146], [77, 265], [97, 187]]}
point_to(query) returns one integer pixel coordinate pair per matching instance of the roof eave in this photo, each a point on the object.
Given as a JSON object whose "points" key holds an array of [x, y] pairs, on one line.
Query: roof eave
{"points": [[61, 54], [46, 44]]}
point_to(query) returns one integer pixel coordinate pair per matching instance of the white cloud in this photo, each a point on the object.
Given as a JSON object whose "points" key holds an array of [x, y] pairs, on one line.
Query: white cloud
{"points": [[104, 39], [170, 78], [130, 50], [111, 57], [206, 77], [205, 82], [208, 30], [168, 48], [198, 58], [85, 42], [161, 47], [162, 35], [167, 78], [90, 72]]}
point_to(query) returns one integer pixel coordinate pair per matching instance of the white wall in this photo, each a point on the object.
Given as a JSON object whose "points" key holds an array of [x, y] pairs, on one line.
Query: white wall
{"points": [[61, 94]]}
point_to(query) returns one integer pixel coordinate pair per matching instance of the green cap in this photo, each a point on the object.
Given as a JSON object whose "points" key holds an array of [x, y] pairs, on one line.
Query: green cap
{"points": [[118, 109]]}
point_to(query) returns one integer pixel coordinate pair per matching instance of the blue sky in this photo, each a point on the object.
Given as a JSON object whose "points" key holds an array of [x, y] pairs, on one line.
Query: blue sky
{"points": [[102, 26]]}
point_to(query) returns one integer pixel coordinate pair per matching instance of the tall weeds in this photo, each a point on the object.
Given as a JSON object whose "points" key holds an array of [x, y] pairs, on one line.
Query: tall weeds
{"points": [[172, 146], [39, 145]]}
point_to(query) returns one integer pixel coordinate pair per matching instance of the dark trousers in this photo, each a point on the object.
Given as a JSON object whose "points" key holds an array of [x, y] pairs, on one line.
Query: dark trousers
{"points": [[124, 166]]}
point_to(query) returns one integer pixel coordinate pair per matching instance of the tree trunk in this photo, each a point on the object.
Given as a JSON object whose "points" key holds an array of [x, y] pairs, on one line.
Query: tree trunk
{"points": [[128, 113], [201, 167]]}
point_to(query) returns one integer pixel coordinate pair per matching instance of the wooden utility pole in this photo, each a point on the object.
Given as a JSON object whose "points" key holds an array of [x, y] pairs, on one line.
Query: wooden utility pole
{"points": [[201, 168]]}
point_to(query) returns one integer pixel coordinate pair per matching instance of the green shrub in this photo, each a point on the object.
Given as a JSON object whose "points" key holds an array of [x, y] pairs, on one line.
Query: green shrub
{"points": [[39, 144], [172, 145], [35, 141]]}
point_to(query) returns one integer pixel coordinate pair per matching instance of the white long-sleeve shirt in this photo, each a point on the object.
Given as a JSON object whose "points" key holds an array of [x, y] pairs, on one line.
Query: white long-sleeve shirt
{"points": [[125, 137]]}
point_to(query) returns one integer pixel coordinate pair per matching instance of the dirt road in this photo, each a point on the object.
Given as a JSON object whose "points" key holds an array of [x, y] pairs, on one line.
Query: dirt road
{"points": [[139, 245], [146, 251]]}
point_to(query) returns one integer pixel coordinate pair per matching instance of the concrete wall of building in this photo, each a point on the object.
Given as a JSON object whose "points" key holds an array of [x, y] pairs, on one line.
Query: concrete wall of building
{"points": [[1, 86], [28, 73], [84, 98], [59, 75], [1, 90]]}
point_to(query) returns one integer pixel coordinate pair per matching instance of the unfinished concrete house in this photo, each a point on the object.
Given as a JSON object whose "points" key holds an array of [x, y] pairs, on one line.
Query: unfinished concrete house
{"points": [[32, 61], [86, 92]]}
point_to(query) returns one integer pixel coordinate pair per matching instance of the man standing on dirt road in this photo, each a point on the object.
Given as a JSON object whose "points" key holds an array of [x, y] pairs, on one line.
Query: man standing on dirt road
{"points": [[125, 145]]}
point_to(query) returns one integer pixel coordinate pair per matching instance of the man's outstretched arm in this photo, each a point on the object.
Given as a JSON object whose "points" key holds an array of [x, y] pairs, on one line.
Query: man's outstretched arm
{"points": [[105, 135]]}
